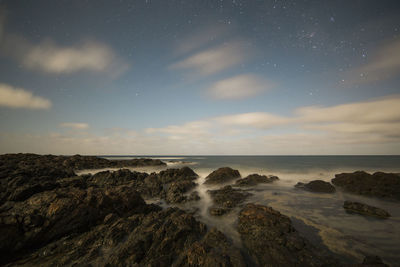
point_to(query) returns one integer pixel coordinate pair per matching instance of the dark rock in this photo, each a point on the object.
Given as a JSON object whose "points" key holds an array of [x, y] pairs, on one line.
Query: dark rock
{"points": [[174, 175], [161, 238], [23, 175], [317, 186], [373, 261], [50, 215], [379, 184], [213, 250], [176, 190], [194, 196], [370, 261], [357, 207], [271, 240], [226, 198], [119, 177], [255, 179], [217, 211], [222, 175]]}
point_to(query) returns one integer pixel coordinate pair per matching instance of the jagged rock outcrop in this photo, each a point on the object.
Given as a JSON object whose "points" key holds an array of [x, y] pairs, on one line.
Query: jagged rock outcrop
{"points": [[317, 186], [50, 215], [364, 209], [379, 184], [271, 240], [170, 237], [226, 199], [255, 179], [23, 175], [222, 175]]}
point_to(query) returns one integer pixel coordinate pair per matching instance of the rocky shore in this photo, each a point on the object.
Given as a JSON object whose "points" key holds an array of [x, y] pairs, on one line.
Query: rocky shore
{"points": [[49, 216]]}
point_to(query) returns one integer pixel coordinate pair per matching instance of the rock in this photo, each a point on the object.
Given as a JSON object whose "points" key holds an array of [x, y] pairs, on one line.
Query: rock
{"points": [[222, 175], [255, 179], [213, 250], [119, 177], [174, 175], [217, 211], [379, 184], [373, 261], [270, 239], [370, 261], [160, 238], [176, 190], [50, 215], [357, 207], [194, 196], [226, 198], [317, 186], [23, 175]]}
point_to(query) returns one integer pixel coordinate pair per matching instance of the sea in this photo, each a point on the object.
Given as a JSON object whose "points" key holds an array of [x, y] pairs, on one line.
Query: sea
{"points": [[318, 217]]}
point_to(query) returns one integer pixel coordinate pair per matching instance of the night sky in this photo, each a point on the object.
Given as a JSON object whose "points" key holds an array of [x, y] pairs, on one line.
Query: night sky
{"points": [[200, 77]]}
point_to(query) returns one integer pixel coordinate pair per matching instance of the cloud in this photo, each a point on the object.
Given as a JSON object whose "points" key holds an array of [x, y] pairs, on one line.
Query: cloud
{"points": [[194, 128], [259, 120], [368, 127], [239, 87], [50, 57], [361, 124], [20, 98], [378, 110], [384, 64], [213, 60], [75, 125], [201, 37]]}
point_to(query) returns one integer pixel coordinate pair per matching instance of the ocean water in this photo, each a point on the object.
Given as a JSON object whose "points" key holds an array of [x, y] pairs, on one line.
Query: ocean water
{"points": [[319, 217]]}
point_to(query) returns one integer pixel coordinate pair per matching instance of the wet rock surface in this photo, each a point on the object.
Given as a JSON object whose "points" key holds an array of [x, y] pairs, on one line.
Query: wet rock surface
{"points": [[364, 209], [49, 216], [23, 175], [270, 239], [255, 179], [160, 238], [222, 175], [102, 220], [379, 184], [317, 186], [226, 199]]}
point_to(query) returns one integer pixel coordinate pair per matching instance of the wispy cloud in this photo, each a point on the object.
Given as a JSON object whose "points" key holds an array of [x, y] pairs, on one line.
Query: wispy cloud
{"points": [[200, 38], [239, 87], [75, 125], [374, 111], [20, 98], [50, 57], [259, 120], [213, 60], [384, 64], [362, 123]]}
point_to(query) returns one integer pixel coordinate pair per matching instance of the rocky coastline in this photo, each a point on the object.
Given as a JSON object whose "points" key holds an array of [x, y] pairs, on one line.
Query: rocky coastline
{"points": [[50, 216]]}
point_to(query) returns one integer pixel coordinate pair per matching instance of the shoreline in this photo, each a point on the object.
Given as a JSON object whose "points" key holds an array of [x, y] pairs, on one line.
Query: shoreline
{"points": [[173, 186]]}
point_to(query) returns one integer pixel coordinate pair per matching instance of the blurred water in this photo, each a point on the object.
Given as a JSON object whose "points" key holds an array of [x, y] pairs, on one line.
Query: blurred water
{"points": [[319, 217]]}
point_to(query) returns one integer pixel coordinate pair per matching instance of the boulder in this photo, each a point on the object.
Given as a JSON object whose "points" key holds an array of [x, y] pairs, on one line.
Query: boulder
{"points": [[357, 207], [379, 184], [226, 198], [255, 179], [218, 211], [222, 175], [270, 239], [176, 191], [213, 250], [317, 186]]}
